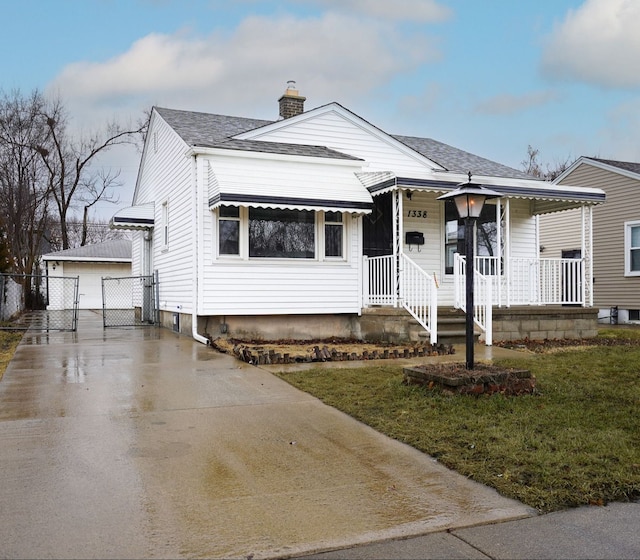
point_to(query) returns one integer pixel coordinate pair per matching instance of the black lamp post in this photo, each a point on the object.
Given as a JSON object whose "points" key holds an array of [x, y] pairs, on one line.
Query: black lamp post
{"points": [[469, 198]]}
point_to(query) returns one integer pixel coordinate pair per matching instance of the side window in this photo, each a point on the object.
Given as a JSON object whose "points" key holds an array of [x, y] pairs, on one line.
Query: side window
{"points": [[333, 234], [632, 248], [229, 230]]}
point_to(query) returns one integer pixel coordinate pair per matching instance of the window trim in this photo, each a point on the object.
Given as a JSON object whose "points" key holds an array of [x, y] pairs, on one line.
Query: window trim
{"points": [[450, 275], [628, 226], [320, 247]]}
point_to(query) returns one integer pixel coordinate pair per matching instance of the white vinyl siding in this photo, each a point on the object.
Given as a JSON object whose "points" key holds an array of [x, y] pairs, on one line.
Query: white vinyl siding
{"points": [[341, 133], [286, 286], [168, 175]]}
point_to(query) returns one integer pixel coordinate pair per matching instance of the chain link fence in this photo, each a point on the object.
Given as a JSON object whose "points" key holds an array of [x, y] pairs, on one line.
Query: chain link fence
{"points": [[38, 302], [129, 301]]}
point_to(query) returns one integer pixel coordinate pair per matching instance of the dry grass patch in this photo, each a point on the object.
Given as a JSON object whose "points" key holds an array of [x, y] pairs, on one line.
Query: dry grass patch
{"points": [[9, 341]]}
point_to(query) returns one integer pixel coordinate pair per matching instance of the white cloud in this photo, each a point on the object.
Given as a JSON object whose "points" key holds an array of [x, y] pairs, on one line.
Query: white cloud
{"points": [[507, 104], [244, 71], [597, 43], [400, 10]]}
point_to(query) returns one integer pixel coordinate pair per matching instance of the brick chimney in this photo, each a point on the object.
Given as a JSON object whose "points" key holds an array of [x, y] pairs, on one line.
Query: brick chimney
{"points": [[291, 103]]}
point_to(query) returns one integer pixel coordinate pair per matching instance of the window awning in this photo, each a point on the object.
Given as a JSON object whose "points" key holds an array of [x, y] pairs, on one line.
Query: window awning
{"points": [[332, 189], [134, 217]]}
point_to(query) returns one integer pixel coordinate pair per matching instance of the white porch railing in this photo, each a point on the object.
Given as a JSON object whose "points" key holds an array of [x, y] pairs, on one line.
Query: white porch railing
{"points": [[516, 281], [482, 295], [419, 295], [410, 287], [533, 281], [380, 281]]}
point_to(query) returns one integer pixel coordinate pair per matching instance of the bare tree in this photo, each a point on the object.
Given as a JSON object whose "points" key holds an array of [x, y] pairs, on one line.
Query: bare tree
{"points": [[24, 211], [70, 177], [532, 166]]}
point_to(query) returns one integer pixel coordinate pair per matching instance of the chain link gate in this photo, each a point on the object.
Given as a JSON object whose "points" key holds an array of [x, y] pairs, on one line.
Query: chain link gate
{"points": [[36, 302], [129, 301]]}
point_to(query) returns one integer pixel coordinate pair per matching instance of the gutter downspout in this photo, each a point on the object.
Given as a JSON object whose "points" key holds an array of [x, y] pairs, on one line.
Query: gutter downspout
{"points": [[198, 243]]}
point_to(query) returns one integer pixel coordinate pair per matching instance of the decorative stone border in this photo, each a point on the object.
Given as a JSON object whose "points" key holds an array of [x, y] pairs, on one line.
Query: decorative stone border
{"points": [[483, 380]]}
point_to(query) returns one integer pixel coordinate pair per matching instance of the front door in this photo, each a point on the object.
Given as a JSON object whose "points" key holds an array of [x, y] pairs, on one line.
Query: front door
{"points": [[378, 227]]}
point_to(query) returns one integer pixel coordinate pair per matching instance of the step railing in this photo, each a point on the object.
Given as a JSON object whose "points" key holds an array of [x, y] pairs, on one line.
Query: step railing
{"points": [[419, 296], [482, 296]]}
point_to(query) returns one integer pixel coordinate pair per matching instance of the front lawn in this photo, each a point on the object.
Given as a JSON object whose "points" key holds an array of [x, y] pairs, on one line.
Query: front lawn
{"points": [[575, 442]]}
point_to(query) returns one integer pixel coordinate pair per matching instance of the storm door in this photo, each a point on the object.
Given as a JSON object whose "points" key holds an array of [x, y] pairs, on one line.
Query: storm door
{"points": [[378, 227]]}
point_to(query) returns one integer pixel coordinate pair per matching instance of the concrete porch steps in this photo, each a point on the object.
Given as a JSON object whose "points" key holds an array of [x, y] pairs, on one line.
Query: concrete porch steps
{"points": [[451, 327]]}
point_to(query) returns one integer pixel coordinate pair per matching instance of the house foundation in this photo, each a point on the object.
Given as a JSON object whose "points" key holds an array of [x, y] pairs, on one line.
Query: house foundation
{"points": [[393, 325]]}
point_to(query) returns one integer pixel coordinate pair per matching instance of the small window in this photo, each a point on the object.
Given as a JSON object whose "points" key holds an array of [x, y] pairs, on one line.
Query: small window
{"points": [[229, 230], [634, 314], [632, 248], [333, 234]]}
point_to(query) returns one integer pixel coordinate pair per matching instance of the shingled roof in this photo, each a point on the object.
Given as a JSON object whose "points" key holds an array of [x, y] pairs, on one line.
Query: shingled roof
{"points": [[117, 250], [459, 161], [217, 131], [626, 165]]}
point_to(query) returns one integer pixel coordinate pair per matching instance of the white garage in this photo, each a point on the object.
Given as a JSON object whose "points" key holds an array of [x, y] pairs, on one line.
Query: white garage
{"points": [[90, 264]]}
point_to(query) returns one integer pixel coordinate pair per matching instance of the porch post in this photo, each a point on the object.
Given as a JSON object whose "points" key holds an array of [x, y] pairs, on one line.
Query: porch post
{"points": [[587, 256], [397, 246]]}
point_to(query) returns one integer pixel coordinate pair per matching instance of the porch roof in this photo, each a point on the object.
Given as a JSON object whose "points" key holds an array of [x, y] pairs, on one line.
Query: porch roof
{"points": [[134, 217], [545, 197]]}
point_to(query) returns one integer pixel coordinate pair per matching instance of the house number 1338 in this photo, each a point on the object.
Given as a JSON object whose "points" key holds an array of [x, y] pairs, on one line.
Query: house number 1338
{"points": [[416, 213]]}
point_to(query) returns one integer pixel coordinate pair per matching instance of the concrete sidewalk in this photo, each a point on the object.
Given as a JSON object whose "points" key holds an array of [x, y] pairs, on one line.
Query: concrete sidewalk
{"points": [[587, 533], [141, 443]]}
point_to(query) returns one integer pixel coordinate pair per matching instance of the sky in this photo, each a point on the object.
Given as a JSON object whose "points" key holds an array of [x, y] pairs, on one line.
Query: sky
{"points": [[491, 77]]}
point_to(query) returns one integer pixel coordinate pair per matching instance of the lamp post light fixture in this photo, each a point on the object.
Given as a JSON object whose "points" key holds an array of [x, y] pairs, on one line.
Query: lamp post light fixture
{"points": [[469, 199]]}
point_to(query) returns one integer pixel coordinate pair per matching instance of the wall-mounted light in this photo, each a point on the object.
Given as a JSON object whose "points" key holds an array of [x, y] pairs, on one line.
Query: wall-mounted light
{"points": [[409, 195]]}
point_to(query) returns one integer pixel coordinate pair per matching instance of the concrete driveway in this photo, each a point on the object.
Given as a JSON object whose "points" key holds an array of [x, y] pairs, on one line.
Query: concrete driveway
{"points": [[141, 443]]}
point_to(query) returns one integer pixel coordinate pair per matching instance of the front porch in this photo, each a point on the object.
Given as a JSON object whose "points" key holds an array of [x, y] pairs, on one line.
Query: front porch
{"points": [[514, 298]]}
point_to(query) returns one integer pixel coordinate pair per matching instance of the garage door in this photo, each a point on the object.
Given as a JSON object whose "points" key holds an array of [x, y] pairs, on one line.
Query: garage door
{"points": [[90, 286]]}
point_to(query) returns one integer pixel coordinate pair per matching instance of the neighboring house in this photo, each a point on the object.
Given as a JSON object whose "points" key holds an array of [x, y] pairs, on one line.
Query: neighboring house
{"points": [[90, 264], [616, 234], [307, 226]]}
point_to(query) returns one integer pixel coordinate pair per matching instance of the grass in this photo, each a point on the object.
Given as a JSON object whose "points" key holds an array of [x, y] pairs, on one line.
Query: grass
{"points": [[576, 442], [9, 340]]}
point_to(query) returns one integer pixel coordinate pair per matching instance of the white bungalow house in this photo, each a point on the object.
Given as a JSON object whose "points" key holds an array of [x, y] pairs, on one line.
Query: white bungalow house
{"points": [[320, 224]]}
